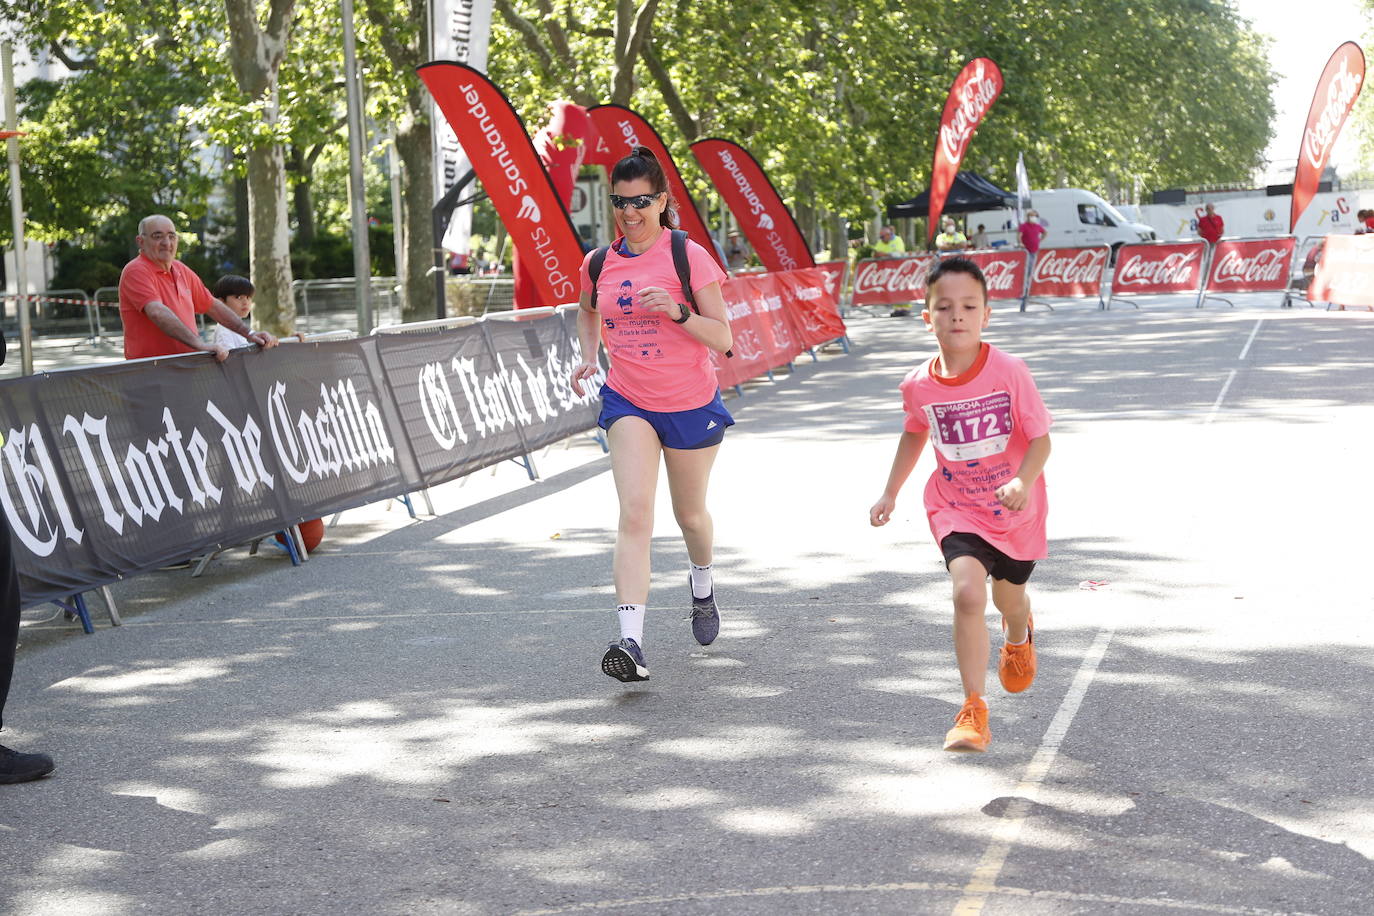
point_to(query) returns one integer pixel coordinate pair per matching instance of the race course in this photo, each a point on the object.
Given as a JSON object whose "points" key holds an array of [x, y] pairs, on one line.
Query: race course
{"points": [[415, 721]]}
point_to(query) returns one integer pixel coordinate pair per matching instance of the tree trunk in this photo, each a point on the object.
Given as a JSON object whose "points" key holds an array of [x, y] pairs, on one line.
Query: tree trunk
{"points": [[416, 150], [269, 244], [302, 197], [256, 56]]}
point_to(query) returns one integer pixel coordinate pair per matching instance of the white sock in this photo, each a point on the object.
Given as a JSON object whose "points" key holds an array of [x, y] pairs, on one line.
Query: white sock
{"points": [[632, 622], [701, 581]]}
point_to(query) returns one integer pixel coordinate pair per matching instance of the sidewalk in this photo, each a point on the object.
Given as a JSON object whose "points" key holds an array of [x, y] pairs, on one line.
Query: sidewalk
{"points": [[415, 721]]}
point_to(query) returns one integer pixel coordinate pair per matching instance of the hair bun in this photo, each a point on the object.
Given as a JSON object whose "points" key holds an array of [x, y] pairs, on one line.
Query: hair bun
{"points": [[643, 152]]}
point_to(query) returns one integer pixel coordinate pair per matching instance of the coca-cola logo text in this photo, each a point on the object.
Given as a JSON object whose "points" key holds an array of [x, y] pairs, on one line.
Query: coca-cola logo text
{"points": [[1341, 93], [899, 275], [1070, 266], [1174, 269], [1264, 266], [974, 98]]}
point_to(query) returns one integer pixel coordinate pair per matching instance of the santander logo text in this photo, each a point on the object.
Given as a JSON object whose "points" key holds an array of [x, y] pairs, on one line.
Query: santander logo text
{"points": [[975, 97], [759, 210], [1172, 270]]}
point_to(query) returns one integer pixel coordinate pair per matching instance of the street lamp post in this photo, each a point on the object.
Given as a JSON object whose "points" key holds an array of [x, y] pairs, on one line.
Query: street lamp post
{"points": [[21, 279], [357, 199]]}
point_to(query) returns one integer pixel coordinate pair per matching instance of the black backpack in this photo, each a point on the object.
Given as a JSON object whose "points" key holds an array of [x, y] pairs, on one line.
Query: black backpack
{"points": [[680, 263]]}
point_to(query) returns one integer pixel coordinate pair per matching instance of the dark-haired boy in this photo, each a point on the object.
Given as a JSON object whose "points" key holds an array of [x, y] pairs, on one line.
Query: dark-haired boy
{"points": [[986, 498]]}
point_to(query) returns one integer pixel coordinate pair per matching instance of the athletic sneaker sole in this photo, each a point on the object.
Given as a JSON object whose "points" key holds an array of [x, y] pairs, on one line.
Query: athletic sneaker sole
{"points": [[619, 664], [966, 746]]}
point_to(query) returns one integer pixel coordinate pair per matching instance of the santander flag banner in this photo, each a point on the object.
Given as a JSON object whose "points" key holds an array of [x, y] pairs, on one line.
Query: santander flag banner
{"points": [[1251, 265], [1345, 273], [1337, 91], [975, 89], [1004, 270], [836, 272], [1069, 273], [621, 131], [886, 281], [506, 163], [1170, 268], [764, 218]]}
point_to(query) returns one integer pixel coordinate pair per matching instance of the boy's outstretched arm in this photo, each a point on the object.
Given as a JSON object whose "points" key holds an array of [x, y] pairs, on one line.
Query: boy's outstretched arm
{"points": [[908, 450], [1013, 493]]}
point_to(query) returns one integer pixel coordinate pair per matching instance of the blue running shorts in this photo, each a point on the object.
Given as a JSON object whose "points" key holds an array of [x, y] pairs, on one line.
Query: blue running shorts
{"points": [[701, 427]]}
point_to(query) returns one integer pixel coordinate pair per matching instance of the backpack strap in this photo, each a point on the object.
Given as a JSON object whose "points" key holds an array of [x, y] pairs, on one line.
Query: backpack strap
{"points": [[684, 273], [594, 266]]}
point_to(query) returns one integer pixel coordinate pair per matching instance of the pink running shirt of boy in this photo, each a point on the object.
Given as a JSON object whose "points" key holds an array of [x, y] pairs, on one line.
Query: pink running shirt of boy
{"points": [[655, 363], [980, 430]]}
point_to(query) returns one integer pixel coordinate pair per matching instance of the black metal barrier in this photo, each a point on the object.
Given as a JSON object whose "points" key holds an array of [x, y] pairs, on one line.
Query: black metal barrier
{"points": [[114, 470]]}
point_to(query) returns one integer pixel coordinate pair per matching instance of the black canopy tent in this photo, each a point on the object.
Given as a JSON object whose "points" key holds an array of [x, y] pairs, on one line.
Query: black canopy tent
{"points": [[969, 193]]}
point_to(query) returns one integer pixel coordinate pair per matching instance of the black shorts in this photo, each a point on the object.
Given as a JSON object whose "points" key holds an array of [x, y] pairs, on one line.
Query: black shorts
{"points": [[997, 563]]}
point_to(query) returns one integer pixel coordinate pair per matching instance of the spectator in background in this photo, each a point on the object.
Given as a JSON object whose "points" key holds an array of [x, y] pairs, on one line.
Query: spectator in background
{"points": [[980, 238], [1369, 220], [890, 245], [736, 252], [159, 298], [237, 293], [950, 239], [1032, 231], [1211, 226]]}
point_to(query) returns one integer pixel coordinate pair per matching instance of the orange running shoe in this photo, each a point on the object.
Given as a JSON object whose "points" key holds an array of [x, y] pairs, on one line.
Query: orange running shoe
{"points": [[1016, 664], [970, 731]]}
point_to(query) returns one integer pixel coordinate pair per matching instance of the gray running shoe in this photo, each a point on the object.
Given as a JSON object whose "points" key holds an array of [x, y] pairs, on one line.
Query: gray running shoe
{"points": [[624, 661], [705, 617]]}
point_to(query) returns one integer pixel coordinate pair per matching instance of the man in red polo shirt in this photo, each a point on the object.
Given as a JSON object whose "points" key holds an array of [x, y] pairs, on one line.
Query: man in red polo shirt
{"points": [[160, 297], [1211, 226]]}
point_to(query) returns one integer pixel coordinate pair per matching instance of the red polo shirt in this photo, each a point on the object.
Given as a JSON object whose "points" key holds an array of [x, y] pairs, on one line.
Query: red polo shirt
{"points": [[1211, 227], [178, 288]]}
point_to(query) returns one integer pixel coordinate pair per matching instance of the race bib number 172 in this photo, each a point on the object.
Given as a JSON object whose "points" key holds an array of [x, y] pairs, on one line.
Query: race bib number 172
{"points": [[972, 429]]}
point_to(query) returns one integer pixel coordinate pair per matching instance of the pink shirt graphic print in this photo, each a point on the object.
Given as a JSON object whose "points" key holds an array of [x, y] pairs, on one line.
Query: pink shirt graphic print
{"points": [[656, 364], [979, 432]]}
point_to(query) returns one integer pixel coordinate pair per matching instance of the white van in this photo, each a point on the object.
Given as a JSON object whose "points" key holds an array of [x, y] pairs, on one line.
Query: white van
{"points": [[1074, 217]]}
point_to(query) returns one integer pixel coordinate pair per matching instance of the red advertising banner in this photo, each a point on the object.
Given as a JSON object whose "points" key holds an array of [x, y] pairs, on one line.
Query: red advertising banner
{"points": [[506, 163], [1069, 273], [1251, 265], [1345, 273], [1158, 269], [1004, 270], [836, 272], [764, 218], [975, 89], [621, 131], [808, 300], [1336, 93], [888, 281]]}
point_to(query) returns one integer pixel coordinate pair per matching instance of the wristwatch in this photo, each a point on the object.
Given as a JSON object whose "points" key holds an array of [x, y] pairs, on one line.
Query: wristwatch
{"points": [[686, 313]]}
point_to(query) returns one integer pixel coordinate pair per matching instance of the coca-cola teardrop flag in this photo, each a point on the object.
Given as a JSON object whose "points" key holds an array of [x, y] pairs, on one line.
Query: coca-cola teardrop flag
{"points": [[765, 219], [495, 140], [975, 89], [1345, 273], [621, 131], [1251, 265], [1337, 91]]}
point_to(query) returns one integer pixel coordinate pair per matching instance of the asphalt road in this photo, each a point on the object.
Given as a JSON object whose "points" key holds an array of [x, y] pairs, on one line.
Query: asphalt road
{"points": [[415, 720]]}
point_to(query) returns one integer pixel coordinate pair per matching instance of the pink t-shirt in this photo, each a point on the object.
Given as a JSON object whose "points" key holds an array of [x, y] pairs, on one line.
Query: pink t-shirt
{"points": [[1031, 234], [655, 363], [980, 424]]}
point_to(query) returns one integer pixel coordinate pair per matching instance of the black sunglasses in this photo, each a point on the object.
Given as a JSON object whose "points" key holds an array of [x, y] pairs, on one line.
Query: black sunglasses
{"points": [[639, 201]]}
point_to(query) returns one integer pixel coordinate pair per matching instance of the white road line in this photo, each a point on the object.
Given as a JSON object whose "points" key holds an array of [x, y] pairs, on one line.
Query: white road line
{"points": [[1216, 405], [1250, 340], [984, 880]]}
